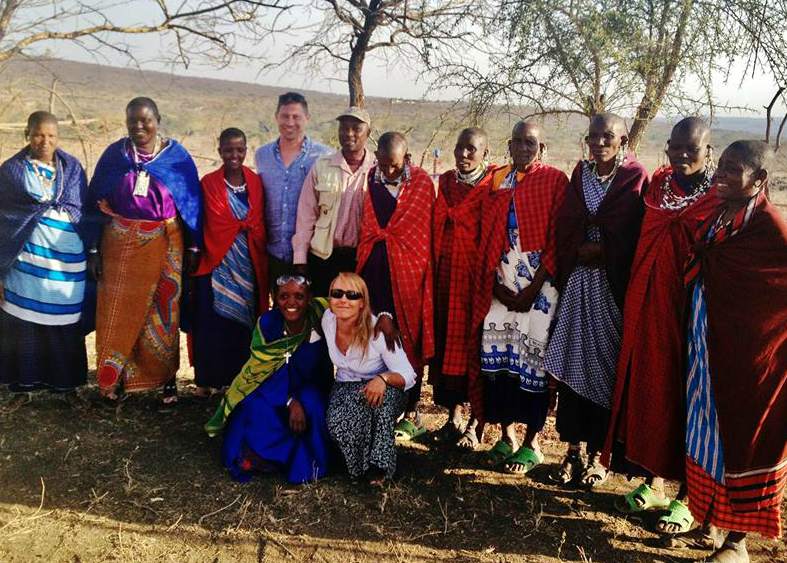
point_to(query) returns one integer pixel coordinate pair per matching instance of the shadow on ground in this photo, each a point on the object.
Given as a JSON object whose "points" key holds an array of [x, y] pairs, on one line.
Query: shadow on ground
{"points": [[140, 482]]}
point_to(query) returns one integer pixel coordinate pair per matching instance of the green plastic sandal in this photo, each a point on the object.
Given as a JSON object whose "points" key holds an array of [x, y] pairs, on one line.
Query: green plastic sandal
{"points": [[498, 453], [679, 514], [405, 430], [526, 458], [627, 504]]}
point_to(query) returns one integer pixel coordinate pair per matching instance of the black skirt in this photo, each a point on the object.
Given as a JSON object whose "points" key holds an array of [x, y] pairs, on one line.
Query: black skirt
{"points": [[34, 356], [580, 419], [505, 402]]}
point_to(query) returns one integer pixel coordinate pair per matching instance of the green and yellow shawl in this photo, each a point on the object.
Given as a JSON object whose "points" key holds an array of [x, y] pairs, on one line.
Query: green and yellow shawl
{"points": [[266, 358]]}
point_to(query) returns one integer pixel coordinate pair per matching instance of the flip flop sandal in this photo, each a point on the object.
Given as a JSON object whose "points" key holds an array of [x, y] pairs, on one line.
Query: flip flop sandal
{"points": [[570, 469], [647, 497], [523, 461], [595, 473], [376, 477], [405, 430], [680, 515], [499, 453], [170, 392]]}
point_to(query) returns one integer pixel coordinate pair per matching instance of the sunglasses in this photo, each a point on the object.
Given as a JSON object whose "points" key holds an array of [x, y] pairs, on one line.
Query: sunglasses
{"points": [[348, 293], [285, 279]]}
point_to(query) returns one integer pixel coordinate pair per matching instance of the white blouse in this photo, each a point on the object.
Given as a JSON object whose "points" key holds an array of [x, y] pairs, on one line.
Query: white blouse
{"points": [[354, 366]]}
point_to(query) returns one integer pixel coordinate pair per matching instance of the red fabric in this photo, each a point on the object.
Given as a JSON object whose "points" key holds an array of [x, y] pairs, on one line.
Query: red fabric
{"points": [[538, 196], [648, 408], [619, 218], [220, 228], [457, 215], [745, 279], [408, 241], [710, 504]]}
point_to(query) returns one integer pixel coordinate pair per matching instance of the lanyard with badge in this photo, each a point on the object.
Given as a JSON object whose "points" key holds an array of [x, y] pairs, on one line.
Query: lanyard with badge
{"points": [[143, 176]]}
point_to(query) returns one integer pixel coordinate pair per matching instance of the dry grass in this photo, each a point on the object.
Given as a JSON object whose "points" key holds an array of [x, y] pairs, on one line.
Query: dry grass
{"points": [[140, 483]]}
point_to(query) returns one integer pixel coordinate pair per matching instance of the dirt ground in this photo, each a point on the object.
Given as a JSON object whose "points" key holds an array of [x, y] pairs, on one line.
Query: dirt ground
{"points": [[141, 483], [144, 483]]}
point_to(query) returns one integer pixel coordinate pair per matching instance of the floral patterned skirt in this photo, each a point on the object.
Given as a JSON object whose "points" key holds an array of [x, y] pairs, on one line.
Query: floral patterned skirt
{"points": [[365, 435]]}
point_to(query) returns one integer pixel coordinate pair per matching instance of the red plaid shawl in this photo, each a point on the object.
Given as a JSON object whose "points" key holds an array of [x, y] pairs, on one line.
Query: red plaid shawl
{"points": [[745, 277], [459, 205], [221, 227], [537, 197], [408, 241], [648, 409]]}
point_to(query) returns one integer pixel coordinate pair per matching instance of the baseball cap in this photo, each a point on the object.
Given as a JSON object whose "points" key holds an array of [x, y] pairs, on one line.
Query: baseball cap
{"points": [[358, 113]]}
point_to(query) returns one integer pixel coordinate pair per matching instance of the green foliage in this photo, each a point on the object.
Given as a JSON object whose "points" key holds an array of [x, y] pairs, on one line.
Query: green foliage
{"points": [[629, 56]]}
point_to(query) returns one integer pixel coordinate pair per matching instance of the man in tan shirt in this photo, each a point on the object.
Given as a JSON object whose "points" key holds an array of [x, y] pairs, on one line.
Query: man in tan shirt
{"points": [[330, 205]]}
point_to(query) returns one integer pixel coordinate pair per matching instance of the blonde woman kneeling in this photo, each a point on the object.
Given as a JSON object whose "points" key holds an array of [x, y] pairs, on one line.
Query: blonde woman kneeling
{"points": [[369, 394]]}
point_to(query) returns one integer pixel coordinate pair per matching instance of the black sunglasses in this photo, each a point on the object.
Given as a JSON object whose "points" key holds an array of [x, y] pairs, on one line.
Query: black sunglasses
{"points": [[348, 293]]}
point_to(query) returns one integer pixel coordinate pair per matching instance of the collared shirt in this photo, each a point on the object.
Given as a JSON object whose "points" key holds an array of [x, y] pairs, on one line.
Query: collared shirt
{"points": [[282, 186], [360, 365], [348, 222], [393, 186]]}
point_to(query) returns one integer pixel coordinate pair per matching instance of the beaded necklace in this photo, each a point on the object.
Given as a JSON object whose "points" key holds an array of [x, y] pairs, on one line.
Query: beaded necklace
{"points": [[675, 202], [235, 189]]}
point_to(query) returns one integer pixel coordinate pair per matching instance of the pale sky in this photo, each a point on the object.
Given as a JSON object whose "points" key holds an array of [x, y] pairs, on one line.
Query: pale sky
{"points": [[380, 79]]}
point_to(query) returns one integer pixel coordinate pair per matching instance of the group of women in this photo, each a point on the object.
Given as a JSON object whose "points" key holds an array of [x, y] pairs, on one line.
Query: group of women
{"points": [[652, 307]]}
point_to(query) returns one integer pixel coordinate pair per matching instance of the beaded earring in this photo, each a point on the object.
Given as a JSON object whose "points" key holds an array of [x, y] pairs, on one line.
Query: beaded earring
{"points": [[710, 163], [621, 156]]}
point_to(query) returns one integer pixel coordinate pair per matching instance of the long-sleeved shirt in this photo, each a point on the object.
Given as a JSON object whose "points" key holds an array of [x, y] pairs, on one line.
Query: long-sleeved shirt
{"points": [[282, 186], [357, 366], [348, 221]]}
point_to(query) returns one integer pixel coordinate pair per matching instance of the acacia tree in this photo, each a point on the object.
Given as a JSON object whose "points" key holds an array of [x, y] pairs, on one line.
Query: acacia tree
{"points": [[346, 32], [211, 28], [587, 56]]}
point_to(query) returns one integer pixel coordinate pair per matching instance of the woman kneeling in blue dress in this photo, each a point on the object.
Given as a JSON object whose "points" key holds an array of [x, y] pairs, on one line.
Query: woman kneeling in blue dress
{"points": [[273, 414]]}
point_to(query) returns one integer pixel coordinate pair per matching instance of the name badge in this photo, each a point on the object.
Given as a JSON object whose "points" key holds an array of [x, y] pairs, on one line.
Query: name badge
{"points": [[142, 184]]}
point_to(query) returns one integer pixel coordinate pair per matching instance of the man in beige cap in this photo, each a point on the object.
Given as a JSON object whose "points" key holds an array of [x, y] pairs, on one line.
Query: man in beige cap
{"points": [[330, 205]]}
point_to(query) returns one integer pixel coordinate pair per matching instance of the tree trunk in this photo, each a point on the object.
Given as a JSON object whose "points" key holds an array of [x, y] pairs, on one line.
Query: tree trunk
{"points": [[355, 78], [654, 96], [359, 46], [642, 119]]}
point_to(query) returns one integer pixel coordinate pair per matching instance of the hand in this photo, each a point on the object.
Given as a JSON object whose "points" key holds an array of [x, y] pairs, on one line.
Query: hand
{"points": [[94, 267], [525, 298], [300, 269], [590, 254], [297, 417], [391, 334], [190, 261], [374, 391], [504, 295]]}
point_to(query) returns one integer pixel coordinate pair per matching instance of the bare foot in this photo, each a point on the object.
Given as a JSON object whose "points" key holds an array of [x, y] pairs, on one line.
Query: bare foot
{"points": [[469, 440]]}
